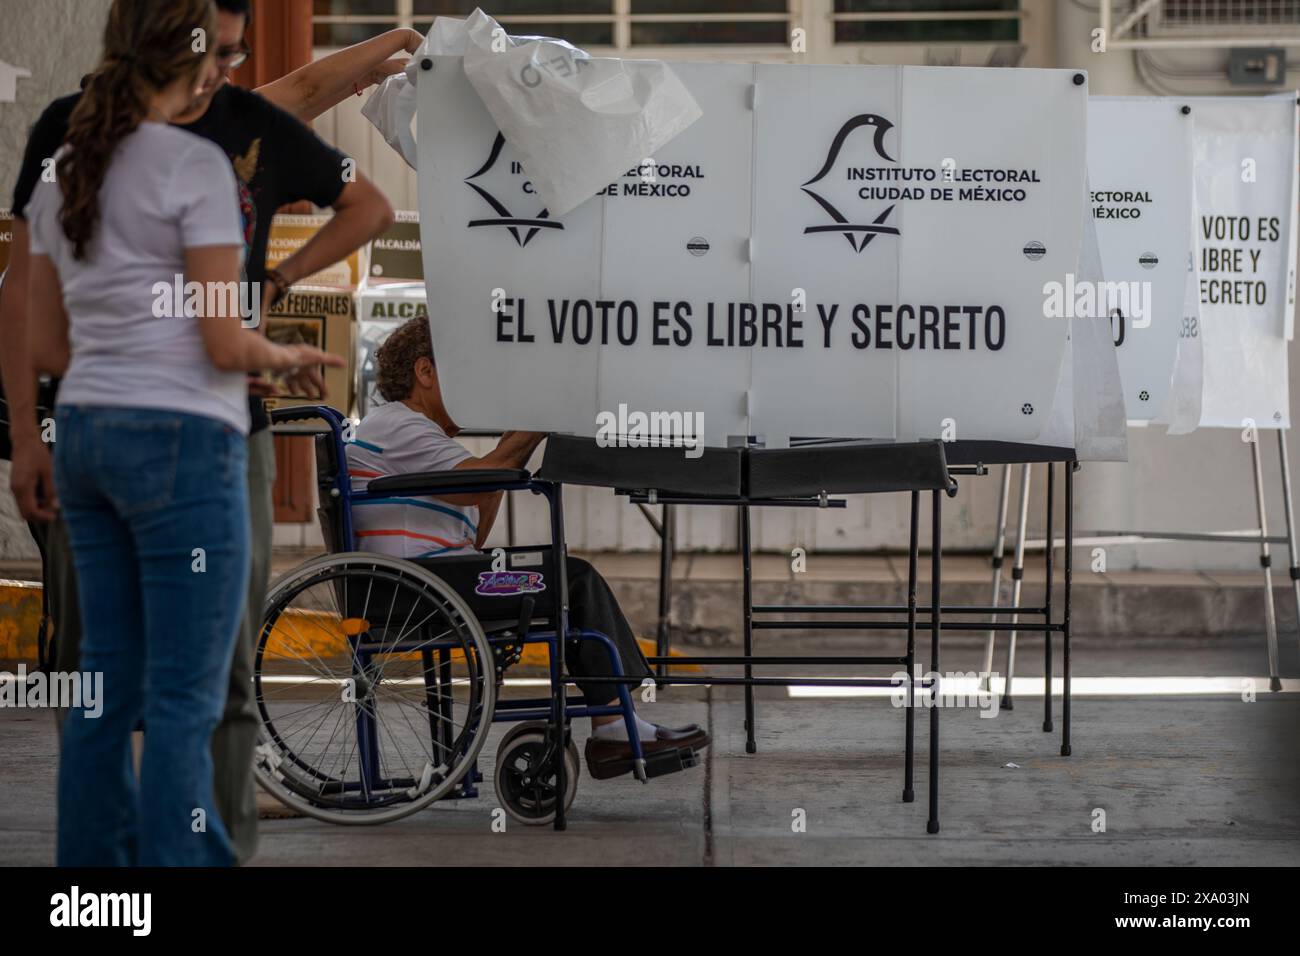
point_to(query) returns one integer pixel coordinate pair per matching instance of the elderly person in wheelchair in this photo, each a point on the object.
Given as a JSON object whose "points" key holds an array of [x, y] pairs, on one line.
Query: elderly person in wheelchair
{"points": [[413, 433]]}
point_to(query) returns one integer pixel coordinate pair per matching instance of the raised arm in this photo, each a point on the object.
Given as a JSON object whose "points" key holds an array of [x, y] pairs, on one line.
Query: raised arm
{"points": [[313, 89]]}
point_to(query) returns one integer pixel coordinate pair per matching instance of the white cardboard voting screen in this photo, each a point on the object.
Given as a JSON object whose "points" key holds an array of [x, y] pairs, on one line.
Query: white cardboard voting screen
{"points": [[1140, 184], [831, 251], [1244, 232]]}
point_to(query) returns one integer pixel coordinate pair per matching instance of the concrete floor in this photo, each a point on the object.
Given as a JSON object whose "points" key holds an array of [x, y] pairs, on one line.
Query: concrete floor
{"points": [[1183, 781]]}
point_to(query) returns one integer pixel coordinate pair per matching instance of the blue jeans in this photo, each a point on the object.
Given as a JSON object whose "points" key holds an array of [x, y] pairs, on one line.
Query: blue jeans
{"points": [[156, 505]]}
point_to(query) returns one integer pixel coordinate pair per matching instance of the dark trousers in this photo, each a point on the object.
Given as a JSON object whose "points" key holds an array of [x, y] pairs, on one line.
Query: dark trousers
{"points": [[63, 654], [593, 607]]}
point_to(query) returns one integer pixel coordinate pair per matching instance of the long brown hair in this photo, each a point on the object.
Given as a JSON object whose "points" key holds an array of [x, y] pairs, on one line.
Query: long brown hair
{"points": [[148, 45]]}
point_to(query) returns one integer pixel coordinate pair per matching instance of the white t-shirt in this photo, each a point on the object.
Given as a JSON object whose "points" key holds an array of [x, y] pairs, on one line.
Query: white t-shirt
{"points": [[166, 191], [396, 440]]}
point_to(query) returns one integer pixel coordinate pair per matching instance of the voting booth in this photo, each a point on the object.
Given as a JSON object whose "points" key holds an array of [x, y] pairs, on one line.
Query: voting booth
{"points": [[823, 281], [846, 252], [1140, 198], [1194, 200]]}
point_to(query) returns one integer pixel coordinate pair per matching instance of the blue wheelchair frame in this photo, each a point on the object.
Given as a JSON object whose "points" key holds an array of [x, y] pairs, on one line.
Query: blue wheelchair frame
{"points": [[556, 709]]}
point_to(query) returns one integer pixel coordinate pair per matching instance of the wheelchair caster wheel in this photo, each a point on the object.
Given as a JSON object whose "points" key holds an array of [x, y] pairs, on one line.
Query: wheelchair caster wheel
{"points": [[525, 779]]}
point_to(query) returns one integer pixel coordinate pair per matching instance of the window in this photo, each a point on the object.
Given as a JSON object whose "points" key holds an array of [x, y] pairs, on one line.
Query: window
{"points": [[761, 25], [927, 21]]}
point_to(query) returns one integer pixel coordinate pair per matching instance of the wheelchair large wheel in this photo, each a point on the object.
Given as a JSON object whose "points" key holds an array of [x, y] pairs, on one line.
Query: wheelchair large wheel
{"points": [[525, 774], [375, 687]]}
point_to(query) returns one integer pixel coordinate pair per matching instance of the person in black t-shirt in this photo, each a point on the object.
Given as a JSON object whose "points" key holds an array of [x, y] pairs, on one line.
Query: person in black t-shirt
{"points": [[277, 160], [305, 94]]}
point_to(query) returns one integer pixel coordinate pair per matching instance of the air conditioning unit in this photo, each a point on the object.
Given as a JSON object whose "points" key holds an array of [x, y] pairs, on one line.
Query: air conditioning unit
{"points": [[1188, 24]]}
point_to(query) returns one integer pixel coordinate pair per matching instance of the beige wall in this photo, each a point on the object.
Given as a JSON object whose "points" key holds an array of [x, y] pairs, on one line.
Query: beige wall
{"points": [[58, 41]]}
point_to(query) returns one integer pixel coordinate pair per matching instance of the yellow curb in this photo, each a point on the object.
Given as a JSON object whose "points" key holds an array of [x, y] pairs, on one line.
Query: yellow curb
{"points": [[310, 632], [320, 633], [20, 619]]}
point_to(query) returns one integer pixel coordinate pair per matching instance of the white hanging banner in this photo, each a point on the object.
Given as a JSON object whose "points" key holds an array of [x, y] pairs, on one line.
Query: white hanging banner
{"points": [[1182, 409], [829, 251], [1245, 230], [1140, 182]]}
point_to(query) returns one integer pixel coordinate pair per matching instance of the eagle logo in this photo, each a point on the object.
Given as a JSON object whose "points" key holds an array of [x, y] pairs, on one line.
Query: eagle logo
{"points": [[522, 229], [858, 236]]}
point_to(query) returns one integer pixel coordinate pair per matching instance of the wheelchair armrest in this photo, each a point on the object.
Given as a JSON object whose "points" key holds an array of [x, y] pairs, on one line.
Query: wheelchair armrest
{"points": [[427, 482], [299, 413]]}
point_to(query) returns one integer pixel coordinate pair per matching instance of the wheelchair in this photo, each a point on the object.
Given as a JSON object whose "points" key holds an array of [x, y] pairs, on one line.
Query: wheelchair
{"points": [[377, 679]]}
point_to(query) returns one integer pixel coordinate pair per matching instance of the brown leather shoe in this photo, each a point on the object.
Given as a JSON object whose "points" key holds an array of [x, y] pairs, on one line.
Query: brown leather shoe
{"points": [[613, 758]]}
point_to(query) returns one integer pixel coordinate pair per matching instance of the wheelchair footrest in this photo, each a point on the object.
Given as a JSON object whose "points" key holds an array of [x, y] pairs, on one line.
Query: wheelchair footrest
{"points": [[669, 761], [654, 764]]}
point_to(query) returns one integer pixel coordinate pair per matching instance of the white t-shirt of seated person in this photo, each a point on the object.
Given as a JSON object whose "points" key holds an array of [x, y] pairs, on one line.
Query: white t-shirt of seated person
{"points": [[395, 440]]}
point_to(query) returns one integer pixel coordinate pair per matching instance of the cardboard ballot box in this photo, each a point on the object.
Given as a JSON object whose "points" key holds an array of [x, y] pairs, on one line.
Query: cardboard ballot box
{"points": [[291, 233], [322, 317], [395, 255]]}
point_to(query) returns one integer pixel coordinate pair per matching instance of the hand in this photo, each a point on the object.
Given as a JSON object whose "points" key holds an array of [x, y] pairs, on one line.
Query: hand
{"points": [[297, 357], [261, 387], [31, 478], [306, 381], [413, 40], [382, 72]]}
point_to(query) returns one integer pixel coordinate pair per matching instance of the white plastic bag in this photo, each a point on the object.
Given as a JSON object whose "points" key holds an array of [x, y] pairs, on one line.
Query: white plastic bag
{"points": [[578, 122], [391, 108]]}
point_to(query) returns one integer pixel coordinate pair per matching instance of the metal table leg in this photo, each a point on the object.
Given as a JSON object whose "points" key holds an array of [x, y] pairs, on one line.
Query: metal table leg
{"points": [[1017, 577], [1047, 603], [751, 745], [1265, 562], [914, 545], [999, 547], [936, 560], [1290, 522], [559, 718], [1065, 616], [663, 638]]}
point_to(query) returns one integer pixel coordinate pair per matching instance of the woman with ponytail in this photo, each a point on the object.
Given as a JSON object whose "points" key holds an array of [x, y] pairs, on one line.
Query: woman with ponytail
{"points": [[151, 426]]}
